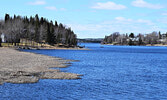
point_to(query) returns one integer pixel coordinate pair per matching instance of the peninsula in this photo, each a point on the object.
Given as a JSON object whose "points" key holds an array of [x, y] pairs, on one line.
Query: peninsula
{"points": [[24, 67]]}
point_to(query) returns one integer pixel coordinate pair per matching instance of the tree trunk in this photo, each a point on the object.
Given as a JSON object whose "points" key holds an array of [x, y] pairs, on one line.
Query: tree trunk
{"points": [[15, 44], [0, 42]]}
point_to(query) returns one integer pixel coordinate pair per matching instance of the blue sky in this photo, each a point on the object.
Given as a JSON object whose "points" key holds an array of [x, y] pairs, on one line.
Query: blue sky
{"points": [[95, 18]]}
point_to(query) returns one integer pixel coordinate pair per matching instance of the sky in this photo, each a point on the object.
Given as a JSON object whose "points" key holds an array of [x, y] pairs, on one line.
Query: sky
{"points": [[95, 18]]}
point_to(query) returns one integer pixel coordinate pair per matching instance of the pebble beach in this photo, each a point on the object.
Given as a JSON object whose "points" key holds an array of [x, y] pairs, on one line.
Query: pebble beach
{"points": [[24, 67]]}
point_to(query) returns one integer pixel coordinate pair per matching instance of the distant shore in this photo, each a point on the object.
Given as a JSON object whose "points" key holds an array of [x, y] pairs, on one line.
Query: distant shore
{"points": [[25, 67], [161, 45]]}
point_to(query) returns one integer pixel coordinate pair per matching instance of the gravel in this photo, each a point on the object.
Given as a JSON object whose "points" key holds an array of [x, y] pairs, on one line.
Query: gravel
{"points": [[25, 67]]}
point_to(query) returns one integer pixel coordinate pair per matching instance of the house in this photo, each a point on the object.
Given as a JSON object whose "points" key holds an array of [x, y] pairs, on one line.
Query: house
{"points": [[164, 36], [133, 39], [2, 36]]}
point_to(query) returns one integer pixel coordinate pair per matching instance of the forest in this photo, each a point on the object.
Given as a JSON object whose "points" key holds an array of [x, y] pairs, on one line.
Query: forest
{"points": [[154, 38], [35, 29]]}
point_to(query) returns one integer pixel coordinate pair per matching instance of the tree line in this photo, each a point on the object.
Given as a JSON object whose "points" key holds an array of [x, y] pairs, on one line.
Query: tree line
{"points": [[36, 29], [140, 39]]}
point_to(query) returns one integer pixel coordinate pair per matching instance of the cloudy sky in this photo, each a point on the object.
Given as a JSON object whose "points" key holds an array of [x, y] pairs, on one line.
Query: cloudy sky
{"points": [[95, 18]]}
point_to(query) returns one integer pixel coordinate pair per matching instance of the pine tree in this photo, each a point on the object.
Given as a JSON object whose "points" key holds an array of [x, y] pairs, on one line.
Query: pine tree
{"points": [[56, 25], [37, 28], [159, 35], [32, 20], [130, 42], [52, 33], [7, 17], [50, 36], [41, 21], [140, 42], [14, 16], [131, 35]]}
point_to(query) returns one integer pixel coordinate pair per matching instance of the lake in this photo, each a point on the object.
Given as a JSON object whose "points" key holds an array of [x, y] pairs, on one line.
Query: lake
{"points": [[109, 73]]}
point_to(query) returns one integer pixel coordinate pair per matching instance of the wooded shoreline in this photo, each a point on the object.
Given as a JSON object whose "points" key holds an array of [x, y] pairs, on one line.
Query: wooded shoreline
{"points": [[151, 39], [35, 30], [160, 45]]}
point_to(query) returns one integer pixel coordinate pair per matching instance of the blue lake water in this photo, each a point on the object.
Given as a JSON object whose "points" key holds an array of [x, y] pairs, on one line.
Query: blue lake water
{"points": [[110, 73]]}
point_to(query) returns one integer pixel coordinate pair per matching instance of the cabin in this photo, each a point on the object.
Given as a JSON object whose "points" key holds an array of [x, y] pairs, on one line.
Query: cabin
{"points": [[164, 36], [133, 39], [2, 36]]}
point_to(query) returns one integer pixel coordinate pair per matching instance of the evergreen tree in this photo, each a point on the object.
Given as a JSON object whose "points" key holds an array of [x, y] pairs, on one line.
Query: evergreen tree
{"points": [[7, 17], [159, 35], [56, 25], [37, 28], [140, 42], [52, 33], [130, 42], [32, 20], [41, 21], [50, 36], [14, 16], [131, 35]]}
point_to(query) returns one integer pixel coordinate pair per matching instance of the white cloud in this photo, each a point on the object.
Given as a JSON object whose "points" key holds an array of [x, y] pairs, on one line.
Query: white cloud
{"points": [[148, 22], [118, 24], [165, 13], [51, 8], [63, 9], [144, 4], [122, 19], [109, 6], [82, 27], [130, 21], [163, 20], [38, 2]]}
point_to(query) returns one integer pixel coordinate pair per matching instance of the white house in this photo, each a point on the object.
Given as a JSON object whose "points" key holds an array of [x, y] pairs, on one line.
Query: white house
{"points": [[3, 37]]}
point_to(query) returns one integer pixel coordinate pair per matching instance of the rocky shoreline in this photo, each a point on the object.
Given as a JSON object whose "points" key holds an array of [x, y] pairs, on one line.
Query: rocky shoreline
{"points": [[25, 67]]}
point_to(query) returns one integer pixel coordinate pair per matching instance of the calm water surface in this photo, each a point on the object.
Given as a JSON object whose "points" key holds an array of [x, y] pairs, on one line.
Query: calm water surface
{"points": [[110, 73]]}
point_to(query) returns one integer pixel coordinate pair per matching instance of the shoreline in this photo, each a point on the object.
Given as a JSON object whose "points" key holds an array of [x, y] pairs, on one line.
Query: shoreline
{"points": [[156, 45], [25, 67], [60, 48], [48, 48]]}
